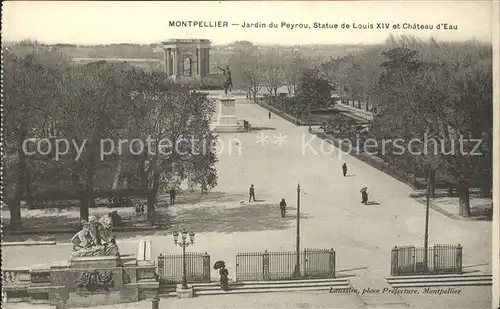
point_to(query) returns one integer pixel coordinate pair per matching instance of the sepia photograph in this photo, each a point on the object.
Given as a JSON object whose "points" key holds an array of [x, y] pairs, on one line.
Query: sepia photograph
{"points": [[250, 154]]}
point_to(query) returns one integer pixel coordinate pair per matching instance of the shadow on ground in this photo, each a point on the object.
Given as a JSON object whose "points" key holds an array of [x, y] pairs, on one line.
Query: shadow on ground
{"points": [[61, 224], [481, 213], [440, 193], [195, 197], [481, 208], [243, 218], [262, 129], [211, 212]]}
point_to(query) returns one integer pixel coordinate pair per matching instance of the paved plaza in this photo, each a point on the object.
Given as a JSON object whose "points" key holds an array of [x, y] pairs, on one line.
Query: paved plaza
{"points": [[275, 157]]}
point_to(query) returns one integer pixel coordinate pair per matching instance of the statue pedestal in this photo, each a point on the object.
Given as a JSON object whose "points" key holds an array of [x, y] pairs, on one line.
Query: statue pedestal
{"points": [[88, 281], [226, 121], [95, 262], [181, 293]]}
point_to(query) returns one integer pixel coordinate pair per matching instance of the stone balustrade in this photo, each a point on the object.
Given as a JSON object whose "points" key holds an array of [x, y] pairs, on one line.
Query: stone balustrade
{"points": [[125, 279], [15, 276]]}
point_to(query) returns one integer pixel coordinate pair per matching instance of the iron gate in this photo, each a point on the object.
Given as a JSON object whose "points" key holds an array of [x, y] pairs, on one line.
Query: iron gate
{"points": [[249, 266], [258, 266], [409, 260], [447, 259], [197, 268], [403, 260], [319, 263]]}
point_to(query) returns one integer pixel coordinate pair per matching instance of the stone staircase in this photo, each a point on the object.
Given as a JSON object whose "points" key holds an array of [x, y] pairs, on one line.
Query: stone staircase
{"points": [[213, 288], [422, 281]]}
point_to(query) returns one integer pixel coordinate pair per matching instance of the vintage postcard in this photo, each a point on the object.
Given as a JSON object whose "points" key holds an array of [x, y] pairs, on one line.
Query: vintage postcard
{"points": [[330, 154]]}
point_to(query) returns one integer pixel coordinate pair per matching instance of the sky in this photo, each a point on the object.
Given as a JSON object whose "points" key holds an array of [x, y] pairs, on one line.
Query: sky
{"points": [[103, 22]]}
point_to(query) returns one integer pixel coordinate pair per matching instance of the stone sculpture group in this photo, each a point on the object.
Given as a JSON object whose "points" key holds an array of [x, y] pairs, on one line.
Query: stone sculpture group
{"points": [[94, 239]]}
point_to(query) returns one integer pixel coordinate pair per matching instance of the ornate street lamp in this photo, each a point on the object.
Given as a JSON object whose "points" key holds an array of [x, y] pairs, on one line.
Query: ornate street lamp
{"points": [[184, 242]]}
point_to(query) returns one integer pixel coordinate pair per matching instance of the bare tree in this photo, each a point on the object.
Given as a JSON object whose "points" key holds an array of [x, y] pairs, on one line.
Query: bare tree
{"points": [[294, 66], [274, 69], [247, 63]]}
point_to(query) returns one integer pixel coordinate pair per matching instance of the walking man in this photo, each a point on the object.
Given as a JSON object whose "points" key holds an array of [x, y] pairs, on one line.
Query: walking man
{"points": [[283, 207], [251, 194], [269, 114], [344, 169], [172, 196]]}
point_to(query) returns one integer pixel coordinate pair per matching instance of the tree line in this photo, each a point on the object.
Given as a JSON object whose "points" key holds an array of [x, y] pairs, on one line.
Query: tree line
{"points": [[255, 69], [417, 89], [47, 97], [431, 90]]}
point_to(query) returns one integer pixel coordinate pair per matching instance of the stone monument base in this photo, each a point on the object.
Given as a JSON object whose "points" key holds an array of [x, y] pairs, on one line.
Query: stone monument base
{"points": [[226, 120], [228, 128], [183, 293], [87, 281], [95, 262]]}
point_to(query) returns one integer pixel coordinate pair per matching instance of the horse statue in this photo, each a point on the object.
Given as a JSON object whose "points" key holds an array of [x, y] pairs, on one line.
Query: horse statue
{"points": [[228, 82]]}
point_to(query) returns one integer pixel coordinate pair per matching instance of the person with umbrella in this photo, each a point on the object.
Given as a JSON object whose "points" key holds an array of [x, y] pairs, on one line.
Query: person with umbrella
{"points": [[223, 272], [364, 196]]}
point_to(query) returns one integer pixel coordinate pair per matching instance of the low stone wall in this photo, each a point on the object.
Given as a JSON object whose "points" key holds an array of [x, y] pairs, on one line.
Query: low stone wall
{"points": [[374, 161], [280, 113], [85, 282]]}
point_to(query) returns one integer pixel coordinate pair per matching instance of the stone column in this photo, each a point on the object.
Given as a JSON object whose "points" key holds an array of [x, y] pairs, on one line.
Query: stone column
{"points": [[165, 61], [176, 62], [198, 61], [207, 62], [168, 61]]}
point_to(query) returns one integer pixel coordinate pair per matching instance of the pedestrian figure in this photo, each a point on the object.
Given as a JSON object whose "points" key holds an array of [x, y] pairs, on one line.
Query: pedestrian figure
{"points": [[269, 115], [172, 196], [137, 209], [364, 196], [142, 209], [283, 207], [344, 169], [251, 194]]}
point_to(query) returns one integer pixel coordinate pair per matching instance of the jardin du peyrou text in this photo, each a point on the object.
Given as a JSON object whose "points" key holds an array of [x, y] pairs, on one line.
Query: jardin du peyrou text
{"points": [[314, 25]]}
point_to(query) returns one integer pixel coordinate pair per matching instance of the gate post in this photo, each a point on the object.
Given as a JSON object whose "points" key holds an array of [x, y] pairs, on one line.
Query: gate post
{"points": [[394, 261], [304, 263], [331, 265], [206, 267], [458, 258], [265, 266], [161, 267], [435, 254]]}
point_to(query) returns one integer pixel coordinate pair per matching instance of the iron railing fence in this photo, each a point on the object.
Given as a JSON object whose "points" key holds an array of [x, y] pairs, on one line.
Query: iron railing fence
{"points": [[441, 259], [170, 269], [266, 266]]}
